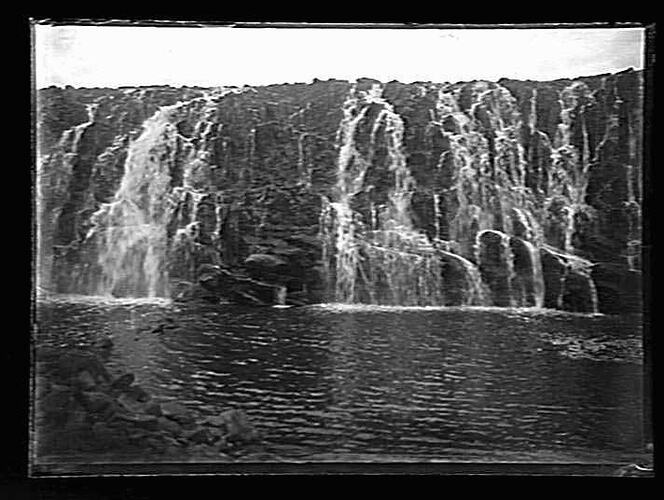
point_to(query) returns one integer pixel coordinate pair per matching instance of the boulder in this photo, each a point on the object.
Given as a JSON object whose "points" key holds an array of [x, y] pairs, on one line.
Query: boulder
{"points": [[223, 445], [201, 435], [554, 270], [133, 405], [104, 343], [153, 408], [97, 402], [262, 265], [71, 363], [179, 413], [139, 420], [56, 405], [568, 282], [208, 276], [168, 425], [182, 291], [130, 404], [122, 383], [579, 293], [242, 289], [215, 421], [238, 426], [495, 266], [216, 432], [458, 279], [285, 265], [137, 393], [85, 381], [619, 290]]}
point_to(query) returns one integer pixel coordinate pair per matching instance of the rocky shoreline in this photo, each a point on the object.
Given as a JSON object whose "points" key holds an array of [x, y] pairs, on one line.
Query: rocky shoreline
{"points": [[81, 410]]}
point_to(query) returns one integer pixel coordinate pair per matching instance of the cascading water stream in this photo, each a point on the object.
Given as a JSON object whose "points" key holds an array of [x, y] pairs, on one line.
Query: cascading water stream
{"points": [[348, 184], [54, 175], [133, 226], [133, 243], [379, 257], [537, 275], [475, 294]]}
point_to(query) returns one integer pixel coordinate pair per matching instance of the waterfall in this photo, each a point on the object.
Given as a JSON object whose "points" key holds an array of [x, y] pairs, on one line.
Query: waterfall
{"points": [[377, 255], [401, 194], [54, 173], [349, 183], [347, 256], [432, 194], [133, 226], [593, 296], [537, 275], [378, 264], [436, 214], [131, 229]]}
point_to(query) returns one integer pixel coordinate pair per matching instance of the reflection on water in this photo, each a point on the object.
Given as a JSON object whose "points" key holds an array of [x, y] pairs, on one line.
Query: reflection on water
{"points": [[420, 383]]}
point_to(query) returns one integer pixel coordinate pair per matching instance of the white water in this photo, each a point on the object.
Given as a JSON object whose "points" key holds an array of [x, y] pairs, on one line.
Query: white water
{"points": [[132, 229], [382, 260], [538, 276], [133, 239]]}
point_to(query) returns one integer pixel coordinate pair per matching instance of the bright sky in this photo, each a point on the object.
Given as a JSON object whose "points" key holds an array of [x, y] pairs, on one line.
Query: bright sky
{"points": [[111, 56]]}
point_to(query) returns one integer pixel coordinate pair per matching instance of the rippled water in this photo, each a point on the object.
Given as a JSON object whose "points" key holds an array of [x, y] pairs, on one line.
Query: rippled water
{"points": [[366, 383]]}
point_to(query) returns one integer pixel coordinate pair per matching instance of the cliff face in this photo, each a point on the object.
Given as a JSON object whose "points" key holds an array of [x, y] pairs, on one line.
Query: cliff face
{"points": [[510, 193]]}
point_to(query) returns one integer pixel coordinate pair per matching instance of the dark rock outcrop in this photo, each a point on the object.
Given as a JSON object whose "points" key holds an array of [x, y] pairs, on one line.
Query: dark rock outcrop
{"points": [[216, 283], [618, 289], [112, 416], [555, 271], [494, 255], [568, 282]]}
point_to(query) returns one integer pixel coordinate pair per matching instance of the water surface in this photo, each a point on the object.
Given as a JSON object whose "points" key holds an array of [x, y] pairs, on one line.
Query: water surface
{"points": [[334, 382]]}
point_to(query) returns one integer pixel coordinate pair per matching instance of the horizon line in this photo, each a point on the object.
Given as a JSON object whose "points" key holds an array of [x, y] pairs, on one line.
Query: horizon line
{"points": [[316, 80]]}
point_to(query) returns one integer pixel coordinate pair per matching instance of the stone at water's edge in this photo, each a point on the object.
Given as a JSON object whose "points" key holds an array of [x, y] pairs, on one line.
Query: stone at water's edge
{"points": [[554, 270], [123, 382], [569, 283], [528, 281], [495, 264], [83, 365], [177, 412], [618, 289], [579, 292], [215, 284], [119, 417], [238, 426]]}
